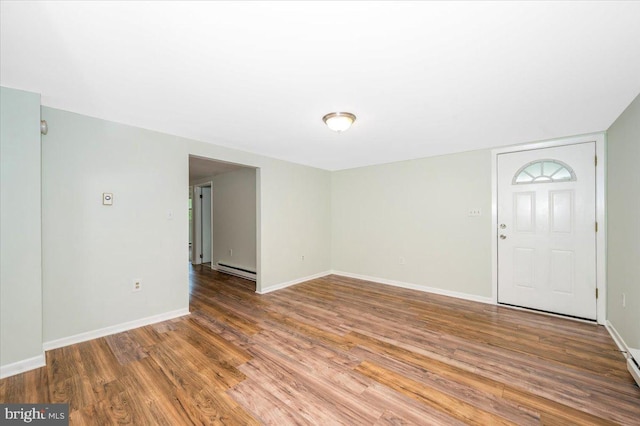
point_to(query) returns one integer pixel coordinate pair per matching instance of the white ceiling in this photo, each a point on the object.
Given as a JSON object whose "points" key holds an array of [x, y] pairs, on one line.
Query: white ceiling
{"points": [[423, 78]]}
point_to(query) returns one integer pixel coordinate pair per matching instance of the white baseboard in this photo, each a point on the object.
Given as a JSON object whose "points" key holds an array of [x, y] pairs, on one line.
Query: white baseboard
{"points": [[410, 286], [632, 355], [118, 328], [292, 282], [394, 283], [236, 272], [619, 341], [22, 366], [634, 370]]}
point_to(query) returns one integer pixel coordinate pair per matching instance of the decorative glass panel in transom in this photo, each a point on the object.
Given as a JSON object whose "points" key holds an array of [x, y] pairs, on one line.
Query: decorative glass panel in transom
{"points": [[544, 171]]}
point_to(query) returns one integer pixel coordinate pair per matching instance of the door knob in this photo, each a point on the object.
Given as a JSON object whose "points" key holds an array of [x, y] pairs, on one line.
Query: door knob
{"points": [[502, 226], [503, 237]]}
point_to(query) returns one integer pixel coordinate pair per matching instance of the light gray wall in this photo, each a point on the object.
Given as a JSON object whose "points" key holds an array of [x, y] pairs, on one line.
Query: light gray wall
{"points": [[417, 210], [234, 218], [20, 245], [92, 252], [623, 224]]}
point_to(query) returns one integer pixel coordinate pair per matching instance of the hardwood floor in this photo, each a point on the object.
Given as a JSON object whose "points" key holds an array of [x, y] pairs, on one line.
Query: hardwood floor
{"points": [[338, 351]]}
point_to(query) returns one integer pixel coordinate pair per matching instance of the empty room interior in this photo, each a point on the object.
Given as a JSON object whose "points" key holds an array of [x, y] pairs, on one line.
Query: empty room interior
{"points": [[323, 213]]}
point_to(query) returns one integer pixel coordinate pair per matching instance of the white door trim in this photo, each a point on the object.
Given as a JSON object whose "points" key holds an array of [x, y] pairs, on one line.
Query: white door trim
{"points": [[196, 247], [601, 282]]}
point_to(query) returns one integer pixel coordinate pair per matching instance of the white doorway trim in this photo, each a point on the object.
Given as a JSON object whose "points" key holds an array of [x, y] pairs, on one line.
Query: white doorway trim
{"points": [[196, 247], [258, 232], [601, 273]]}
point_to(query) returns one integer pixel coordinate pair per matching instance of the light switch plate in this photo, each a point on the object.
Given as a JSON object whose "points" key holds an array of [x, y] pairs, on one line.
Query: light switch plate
{"points": [[107, 198]]}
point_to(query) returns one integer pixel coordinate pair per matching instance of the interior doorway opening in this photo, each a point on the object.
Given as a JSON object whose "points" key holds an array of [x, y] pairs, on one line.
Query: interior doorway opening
{"points": [[224, 216]]}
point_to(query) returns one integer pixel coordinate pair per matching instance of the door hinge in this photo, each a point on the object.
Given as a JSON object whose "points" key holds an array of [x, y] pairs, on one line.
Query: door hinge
{"points": [[596, 226], [596, 292], [596, 161], [200, 256], [200, 195]]}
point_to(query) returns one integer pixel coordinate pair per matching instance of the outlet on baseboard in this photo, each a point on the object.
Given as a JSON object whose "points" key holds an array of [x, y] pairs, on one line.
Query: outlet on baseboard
{"points": [[137, 285]]}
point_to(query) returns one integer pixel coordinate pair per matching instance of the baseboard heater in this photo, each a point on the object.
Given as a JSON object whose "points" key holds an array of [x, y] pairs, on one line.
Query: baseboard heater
{"points": [[633, 364], [237, 271]]}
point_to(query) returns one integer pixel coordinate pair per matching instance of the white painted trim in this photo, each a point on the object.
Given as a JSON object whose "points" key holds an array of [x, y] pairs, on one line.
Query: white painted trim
{"points": [[601, 266], [197, 212], [632, 367], [196, 238], [601, 236], [118, 328], [22, 366], [203, 181], [230, 271], [410, 286], [258, 231], [619, 341], [292, 282], [494, 227], [632, 355]]}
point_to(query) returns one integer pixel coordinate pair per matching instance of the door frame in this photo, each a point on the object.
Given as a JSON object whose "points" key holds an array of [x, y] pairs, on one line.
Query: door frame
{"points": [[197, 231], [601, 272]]}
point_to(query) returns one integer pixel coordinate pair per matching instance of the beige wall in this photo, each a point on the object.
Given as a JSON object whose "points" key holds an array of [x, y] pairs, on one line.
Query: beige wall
{"points": [[417, 210], [623, 224], [20, 245], [234, 218], [93, 252]]}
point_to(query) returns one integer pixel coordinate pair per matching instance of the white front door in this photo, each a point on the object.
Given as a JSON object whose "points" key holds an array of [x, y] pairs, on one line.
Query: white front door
{"points": [[546, 229]]}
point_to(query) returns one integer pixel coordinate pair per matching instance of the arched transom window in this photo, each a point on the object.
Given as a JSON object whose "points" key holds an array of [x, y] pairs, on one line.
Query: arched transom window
{"points": [[544, 171]]}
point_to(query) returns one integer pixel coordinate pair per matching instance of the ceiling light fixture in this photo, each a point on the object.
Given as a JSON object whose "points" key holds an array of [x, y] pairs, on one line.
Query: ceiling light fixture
{"points": [[339, 121]]}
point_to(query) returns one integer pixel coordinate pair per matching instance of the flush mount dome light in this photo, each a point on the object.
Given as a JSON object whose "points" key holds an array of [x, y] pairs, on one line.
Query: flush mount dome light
{"points": [[339, 121]]}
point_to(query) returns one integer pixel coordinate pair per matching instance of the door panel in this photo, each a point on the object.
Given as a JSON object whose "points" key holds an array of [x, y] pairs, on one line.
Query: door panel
{"points": [[525, 211], [561, 276], [546, 229], [561, 206], [523, 266]]}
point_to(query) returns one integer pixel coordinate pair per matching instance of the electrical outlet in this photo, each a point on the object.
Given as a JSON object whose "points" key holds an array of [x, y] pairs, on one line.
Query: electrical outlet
{"points": [[230, 252], [402, 260], [475, 212], [302, 258], [624, 300], [137, 285]]}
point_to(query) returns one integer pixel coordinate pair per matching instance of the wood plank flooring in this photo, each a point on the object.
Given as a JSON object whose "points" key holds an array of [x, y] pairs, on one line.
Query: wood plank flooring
{"points": [[338, 351]]}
